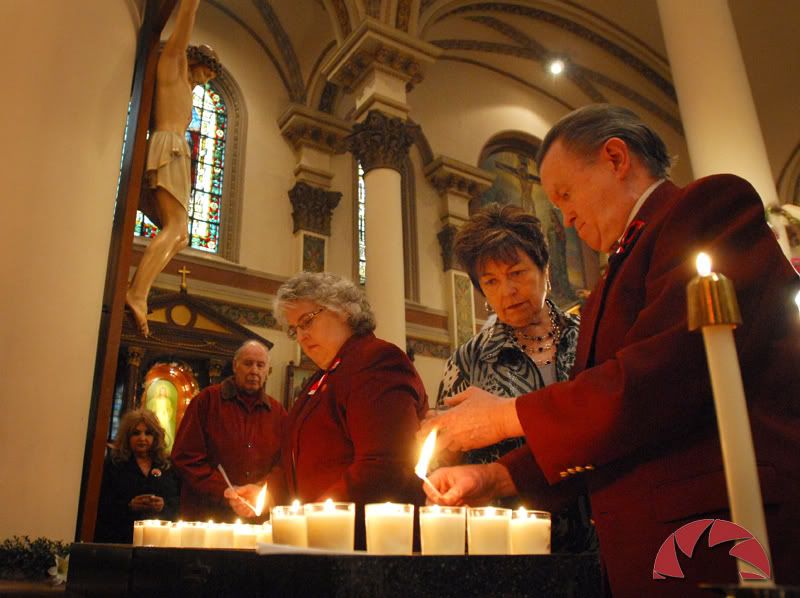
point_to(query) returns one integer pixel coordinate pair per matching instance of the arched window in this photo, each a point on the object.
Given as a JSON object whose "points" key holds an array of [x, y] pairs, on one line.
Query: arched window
{"points": [[408, 207], [207, 137]]}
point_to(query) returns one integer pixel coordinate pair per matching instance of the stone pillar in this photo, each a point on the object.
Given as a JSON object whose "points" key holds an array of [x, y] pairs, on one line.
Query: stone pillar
{"points": [[53, 276], [379, 65], [315, 137], [458, 184], [717, 109], [381, 145], [131, 398]]}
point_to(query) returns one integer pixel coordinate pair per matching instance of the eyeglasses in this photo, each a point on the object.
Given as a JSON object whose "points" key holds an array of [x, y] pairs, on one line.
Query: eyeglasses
{"points": [[303, 323]]}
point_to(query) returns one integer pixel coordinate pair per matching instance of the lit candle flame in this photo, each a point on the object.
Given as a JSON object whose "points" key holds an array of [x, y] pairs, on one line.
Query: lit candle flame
{"points": [[426, 454], [261, 500], [522, 513], [328, 506], [295, 506], [703, 264]]}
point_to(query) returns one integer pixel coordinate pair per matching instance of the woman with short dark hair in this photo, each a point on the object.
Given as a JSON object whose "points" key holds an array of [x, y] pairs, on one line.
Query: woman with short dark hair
{"points": [[530, 345]]}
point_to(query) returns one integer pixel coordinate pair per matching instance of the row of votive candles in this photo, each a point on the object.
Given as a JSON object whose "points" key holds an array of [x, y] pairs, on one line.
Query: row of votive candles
{"points": [[199, 534], [390, 528]]}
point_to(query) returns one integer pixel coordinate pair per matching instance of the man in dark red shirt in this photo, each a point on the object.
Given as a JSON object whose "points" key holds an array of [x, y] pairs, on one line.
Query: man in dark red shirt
{"points": [[235, 424]]}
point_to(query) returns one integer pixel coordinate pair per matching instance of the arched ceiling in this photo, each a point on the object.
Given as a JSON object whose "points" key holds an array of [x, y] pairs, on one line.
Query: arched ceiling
{"points": [[614, 49]]}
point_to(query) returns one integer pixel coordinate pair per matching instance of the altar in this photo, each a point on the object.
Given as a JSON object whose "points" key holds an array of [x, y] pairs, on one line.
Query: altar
{"points": [[124, 570]]}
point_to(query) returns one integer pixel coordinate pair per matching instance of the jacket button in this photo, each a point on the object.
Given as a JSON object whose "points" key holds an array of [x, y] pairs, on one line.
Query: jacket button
{"points": [[570, 470], [579, 469], [589, 467], [563, 474]]}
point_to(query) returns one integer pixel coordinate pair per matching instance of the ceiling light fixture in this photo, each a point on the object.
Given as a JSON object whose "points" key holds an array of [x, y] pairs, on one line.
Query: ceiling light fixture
{"points": [[556, 67]]}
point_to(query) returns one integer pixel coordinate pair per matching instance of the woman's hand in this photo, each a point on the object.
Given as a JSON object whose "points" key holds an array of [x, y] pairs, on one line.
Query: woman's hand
{"points": [[142, 503], [476, 419]]}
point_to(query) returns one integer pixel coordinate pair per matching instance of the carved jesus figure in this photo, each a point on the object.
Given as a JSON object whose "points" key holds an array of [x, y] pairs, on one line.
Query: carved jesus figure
{"points": [[168, 170]]}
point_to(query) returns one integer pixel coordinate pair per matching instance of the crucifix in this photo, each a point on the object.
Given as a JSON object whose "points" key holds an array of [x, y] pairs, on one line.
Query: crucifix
{"points": [[526, 180], [184, 271]]}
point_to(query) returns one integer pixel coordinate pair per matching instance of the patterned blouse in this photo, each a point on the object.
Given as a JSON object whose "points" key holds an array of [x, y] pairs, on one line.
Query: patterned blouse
{"points": [[494, 361]]}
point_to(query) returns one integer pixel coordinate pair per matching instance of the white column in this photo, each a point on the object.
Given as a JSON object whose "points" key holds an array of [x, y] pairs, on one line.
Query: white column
{"points": [[67, 89], [719, 116], [385, 275]]}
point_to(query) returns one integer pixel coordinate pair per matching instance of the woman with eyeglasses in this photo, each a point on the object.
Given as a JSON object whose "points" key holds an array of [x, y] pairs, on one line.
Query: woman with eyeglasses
{"points": [[350, 436]]}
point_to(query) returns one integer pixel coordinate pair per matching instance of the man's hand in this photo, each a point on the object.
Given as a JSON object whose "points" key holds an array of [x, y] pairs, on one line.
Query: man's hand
{"points": [[240, 496], [473, 485], [476, 419]]}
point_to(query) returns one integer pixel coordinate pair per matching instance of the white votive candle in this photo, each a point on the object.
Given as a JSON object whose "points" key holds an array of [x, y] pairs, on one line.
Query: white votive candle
{"points": [[289, 525], [155, 532], [442, 529], [530, 532], [219, 535], [193, 534], [264, 533], [390, 528], [138, 533], [174, 534], [331, 525], [488, 529], [245, 536]]}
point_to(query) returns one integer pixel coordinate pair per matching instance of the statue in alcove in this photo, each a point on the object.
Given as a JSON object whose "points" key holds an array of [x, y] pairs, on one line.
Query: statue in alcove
{"points": [[168, 172]]}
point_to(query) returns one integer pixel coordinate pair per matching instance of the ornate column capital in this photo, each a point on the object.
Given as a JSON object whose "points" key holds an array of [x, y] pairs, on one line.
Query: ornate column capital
{"points": [[446, 237], [381, 141], [313, 207], [375, 45], [451, 176], [304, 127]]}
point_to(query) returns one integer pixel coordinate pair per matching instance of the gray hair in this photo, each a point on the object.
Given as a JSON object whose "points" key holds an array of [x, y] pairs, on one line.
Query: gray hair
{"points": [[584, 130], [246, 344], [331, 292]]}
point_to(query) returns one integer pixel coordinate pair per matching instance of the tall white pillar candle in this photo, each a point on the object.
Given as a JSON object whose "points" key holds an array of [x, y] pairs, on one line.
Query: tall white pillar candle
{"points": [[442, 529], [264, 533], [138, 533], [245, 536]]}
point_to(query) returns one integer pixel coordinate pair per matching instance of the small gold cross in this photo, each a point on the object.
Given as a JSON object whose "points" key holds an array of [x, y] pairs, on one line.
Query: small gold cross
{"points": [[183, 272]]}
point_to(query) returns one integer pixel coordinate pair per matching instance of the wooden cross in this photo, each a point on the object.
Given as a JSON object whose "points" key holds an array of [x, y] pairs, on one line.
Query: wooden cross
{"points": [[183, 272]]}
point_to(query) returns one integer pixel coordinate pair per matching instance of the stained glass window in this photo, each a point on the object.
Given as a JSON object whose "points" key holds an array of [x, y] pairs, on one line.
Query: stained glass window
{"points": [[206, 135], [362, 227]]}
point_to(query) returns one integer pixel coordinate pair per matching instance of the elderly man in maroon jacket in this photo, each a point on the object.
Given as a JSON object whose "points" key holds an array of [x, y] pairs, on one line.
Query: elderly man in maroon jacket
{"points": [[636, 423], [237, 425]]}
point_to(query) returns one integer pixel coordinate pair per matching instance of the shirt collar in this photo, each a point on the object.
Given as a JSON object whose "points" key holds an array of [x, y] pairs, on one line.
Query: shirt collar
{"points": [[228, 392], [637, 206]]}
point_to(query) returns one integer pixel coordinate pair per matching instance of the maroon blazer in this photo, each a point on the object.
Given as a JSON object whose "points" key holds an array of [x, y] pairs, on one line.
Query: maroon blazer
{"points": [[354, 438], [636, 422]]}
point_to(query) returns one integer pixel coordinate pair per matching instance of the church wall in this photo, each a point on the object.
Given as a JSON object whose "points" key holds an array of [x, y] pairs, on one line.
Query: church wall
{"points": [[69, 104], [266, 240], [341, 251]]}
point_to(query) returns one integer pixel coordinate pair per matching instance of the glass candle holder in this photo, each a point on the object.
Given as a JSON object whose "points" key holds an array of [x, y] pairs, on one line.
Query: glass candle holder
{"points": [[530, 532], [442, 529], [390, 528], [331, 525], [174, 534], [193, 534], [264, 533], [219, 535], [289, 525], [138, 532], [156, 532], [489, 530]]}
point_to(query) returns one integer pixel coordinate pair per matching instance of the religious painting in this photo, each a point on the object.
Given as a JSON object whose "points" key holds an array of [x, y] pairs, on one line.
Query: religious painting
{"points": [[168, 390], [313, 253], [296, 378], [517, 182]]}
